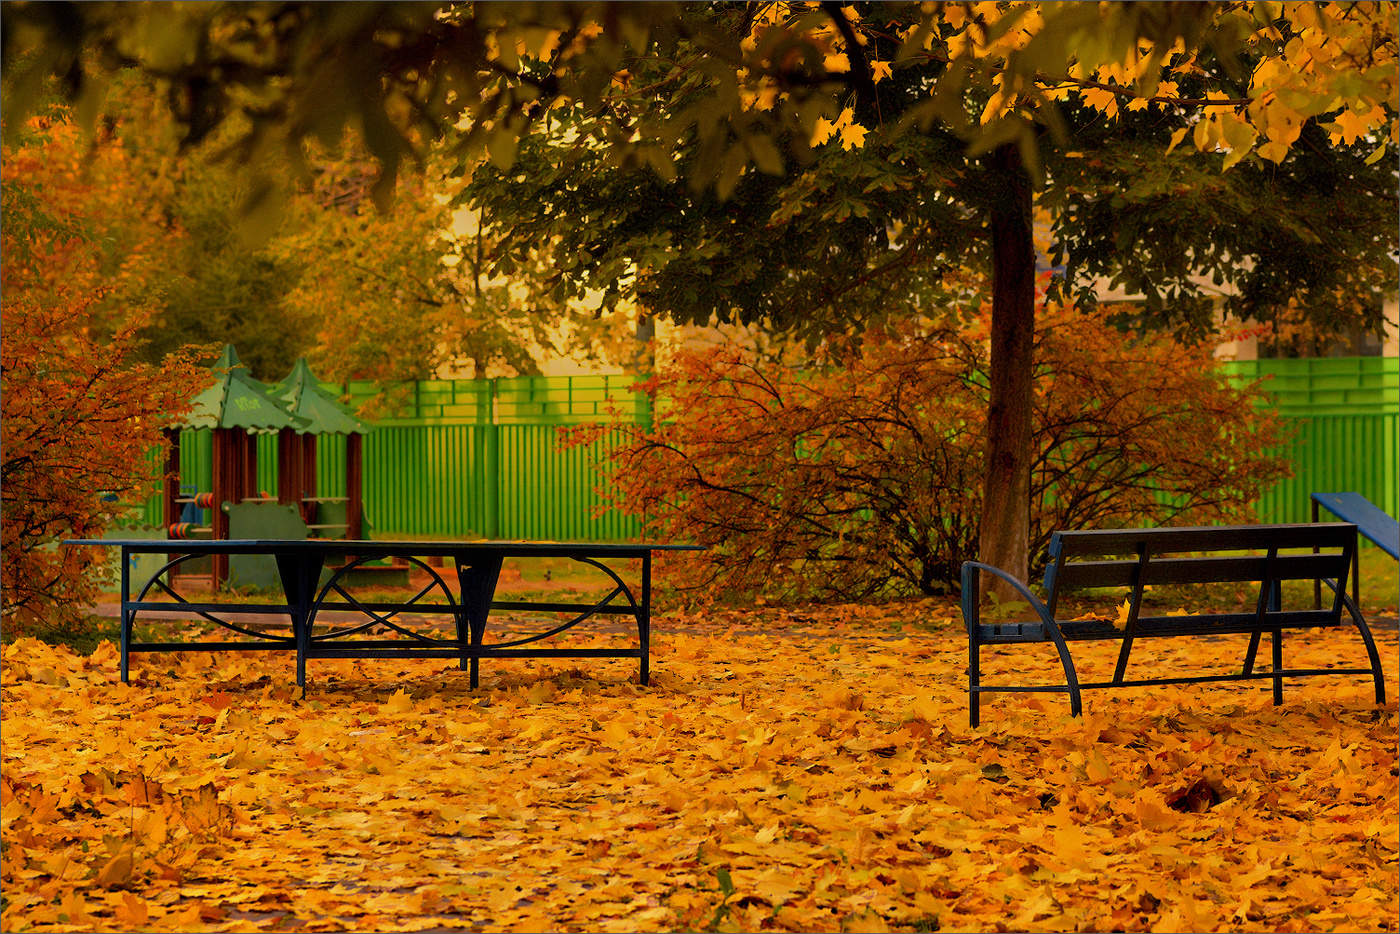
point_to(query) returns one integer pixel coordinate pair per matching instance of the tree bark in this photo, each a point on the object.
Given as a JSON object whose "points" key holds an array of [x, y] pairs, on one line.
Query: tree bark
{"points": [[1004, 533]]}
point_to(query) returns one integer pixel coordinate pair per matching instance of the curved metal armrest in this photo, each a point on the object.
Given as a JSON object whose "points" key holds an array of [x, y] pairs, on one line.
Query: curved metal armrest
{"points": [[1347, 602], [970, 570], [969, 595], [1377, 675]]}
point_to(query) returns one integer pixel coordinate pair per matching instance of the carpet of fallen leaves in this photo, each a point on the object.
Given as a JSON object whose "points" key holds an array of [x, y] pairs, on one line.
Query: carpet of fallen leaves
{"points": [[781, 773]]}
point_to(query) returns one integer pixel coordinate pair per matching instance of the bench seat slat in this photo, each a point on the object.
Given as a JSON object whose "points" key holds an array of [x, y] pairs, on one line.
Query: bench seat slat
{"points": [[1158, 626]]}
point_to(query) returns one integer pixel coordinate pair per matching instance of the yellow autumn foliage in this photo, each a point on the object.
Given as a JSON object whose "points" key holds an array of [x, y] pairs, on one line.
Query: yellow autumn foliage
{"points": [[785, 771], [1336, 61]]}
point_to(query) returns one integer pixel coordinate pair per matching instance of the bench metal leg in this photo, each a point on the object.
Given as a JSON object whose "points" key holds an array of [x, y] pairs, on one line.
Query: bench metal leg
{"points": [[973, 682], [1317, 584], [299, 575], [644, 621], [477, 586], [1274, 594], [126, 617], [1076, 705], [1250, 653], [1277, 640], [1356, 574]]}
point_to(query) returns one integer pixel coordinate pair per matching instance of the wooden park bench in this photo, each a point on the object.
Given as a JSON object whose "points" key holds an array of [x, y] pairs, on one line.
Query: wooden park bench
{"points": [[1135, 559], [314, 574]]}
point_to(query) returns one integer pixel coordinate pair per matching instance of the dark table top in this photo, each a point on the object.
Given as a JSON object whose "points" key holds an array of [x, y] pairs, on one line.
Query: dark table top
{"points": [[384, 548]]}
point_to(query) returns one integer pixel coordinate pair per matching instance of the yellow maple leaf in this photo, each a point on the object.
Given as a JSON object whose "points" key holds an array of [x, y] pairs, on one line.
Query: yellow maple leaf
{"points": [[1153, 813], [1273, 150], [1350, 126], [1100, 99], [203, 812], [1168, 921], [997, 105], [843, 698], [853, 136], [762, 99], [132, 911], [1097, 767], [400, 702], [75, 907], [1176, 139], [187, 918], [776, 886], [836, 62]]}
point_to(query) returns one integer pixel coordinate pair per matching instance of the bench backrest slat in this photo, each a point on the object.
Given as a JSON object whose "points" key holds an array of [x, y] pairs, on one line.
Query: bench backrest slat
{"points": [[1142, 557], [1211, 570], [1100, 542]]}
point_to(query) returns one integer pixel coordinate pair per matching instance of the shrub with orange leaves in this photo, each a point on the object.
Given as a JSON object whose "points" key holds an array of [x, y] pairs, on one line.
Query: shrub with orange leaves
{"points": [[79, 416], [863, 478]]}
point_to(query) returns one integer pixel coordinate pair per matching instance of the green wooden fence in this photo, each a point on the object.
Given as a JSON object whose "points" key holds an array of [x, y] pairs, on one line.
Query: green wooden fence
{"points": [[459, 458], [1344, 413]]}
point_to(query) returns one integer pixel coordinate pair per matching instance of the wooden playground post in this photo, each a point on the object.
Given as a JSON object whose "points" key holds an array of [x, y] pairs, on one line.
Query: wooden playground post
{"points": [[224, 483], [354, 475], [248, 489], [170, 481]]}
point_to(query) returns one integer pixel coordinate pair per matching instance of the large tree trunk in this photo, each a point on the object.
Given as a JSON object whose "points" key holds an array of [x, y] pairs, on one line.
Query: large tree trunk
{"points": [[1004, 534]]}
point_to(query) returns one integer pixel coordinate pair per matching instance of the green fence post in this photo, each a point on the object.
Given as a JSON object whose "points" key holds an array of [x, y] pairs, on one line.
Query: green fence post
{"points": [[492, 464]]}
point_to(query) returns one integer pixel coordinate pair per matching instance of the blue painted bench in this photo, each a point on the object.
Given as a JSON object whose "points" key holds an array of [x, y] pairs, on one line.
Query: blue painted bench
{"points": [[1370, 521], [1263, 556]]}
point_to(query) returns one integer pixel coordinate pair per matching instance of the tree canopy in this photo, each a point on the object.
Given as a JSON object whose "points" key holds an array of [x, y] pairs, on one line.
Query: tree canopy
{"points": [[890, 226], [481, 74], [797, 153]]}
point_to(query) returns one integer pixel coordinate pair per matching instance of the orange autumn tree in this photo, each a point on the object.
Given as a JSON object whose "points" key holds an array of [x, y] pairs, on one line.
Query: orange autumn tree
{"points": [[859, 478], [79, 415]]}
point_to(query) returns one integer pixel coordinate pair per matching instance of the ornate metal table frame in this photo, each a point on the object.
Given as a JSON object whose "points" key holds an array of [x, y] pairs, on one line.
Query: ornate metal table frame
{"points": [[300, 565]]}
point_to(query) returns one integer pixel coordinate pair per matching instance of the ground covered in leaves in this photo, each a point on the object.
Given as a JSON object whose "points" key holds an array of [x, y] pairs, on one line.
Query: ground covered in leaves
{"points": [[781, 773]]}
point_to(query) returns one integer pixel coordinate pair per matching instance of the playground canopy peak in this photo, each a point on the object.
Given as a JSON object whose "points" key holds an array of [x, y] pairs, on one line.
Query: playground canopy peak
{"points": [[229, 361], [237, 400], [316, 412]]}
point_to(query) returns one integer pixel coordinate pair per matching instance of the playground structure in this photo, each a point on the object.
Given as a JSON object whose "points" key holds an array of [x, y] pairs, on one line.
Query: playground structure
{"points": [[238, 408], [316, 413]]}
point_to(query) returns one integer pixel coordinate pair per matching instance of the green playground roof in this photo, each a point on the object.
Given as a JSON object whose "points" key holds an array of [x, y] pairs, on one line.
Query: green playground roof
{"points": [[236, 400], [315, 410]]}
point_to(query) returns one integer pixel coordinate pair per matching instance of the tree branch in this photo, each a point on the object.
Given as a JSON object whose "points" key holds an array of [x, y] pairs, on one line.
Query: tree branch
{"points": [[1121, 91]]}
